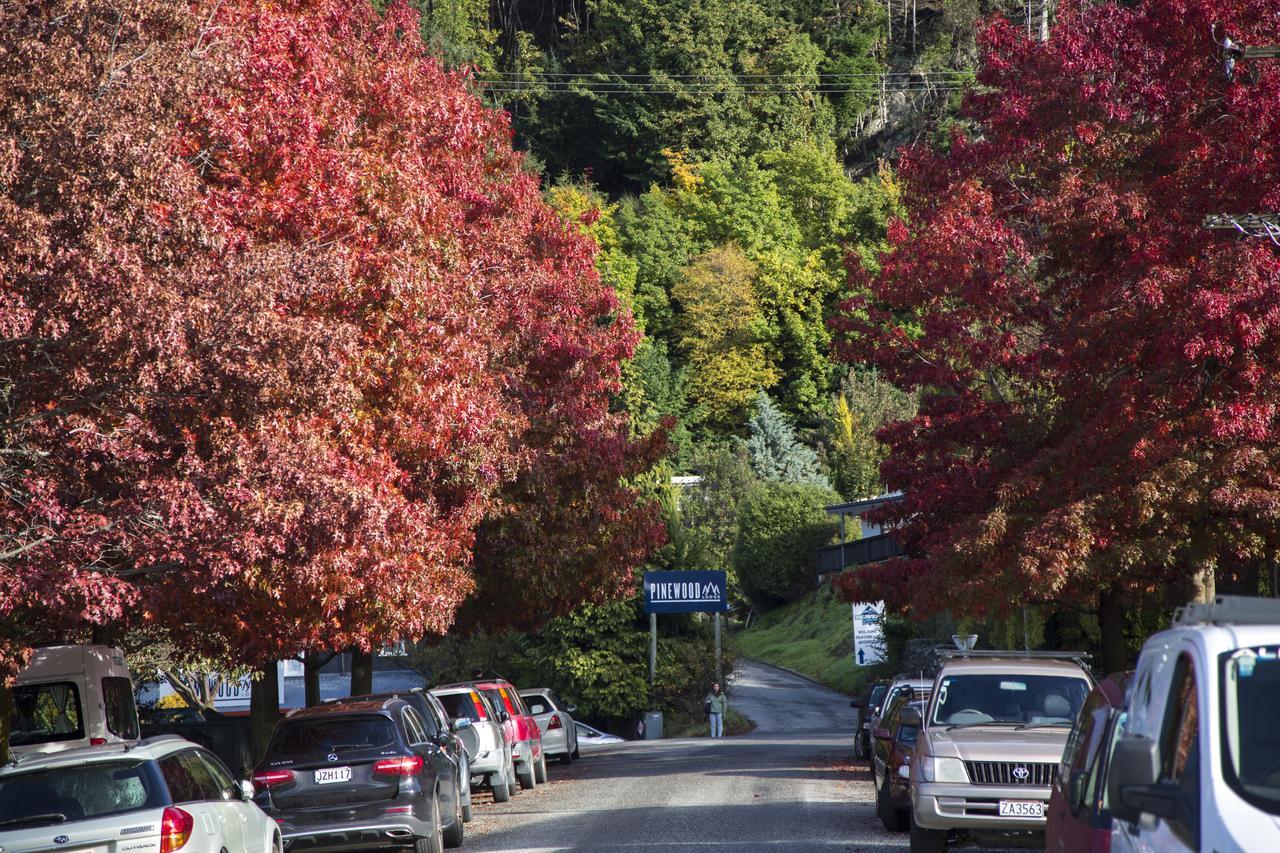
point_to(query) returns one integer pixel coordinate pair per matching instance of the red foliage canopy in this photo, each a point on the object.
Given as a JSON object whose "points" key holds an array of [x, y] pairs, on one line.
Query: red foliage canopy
{"points": [[279, 313], [1101, 374]]}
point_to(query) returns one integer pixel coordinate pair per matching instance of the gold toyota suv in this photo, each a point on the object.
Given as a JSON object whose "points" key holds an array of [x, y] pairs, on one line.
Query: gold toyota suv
{"points": [[990, 741]]}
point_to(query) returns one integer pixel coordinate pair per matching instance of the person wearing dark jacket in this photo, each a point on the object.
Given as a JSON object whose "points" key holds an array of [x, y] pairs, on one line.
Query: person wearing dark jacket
{"points": [[717, 704]]}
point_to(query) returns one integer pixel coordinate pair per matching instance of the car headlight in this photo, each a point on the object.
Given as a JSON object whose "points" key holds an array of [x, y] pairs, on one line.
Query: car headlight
{"points": [[904, 771], [935, 769]]}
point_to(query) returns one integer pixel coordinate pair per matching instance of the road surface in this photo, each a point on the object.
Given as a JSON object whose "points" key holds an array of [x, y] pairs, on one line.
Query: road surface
{"points": [[789, 786]]}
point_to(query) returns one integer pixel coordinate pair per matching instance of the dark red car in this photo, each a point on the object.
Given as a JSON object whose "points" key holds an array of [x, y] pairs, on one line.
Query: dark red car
{"points": [[893, 744], [1078, 819]]}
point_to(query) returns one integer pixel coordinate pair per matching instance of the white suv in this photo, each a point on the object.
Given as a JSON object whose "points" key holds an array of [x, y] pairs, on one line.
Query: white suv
{"points": [[161, 796], [1198, 763]]}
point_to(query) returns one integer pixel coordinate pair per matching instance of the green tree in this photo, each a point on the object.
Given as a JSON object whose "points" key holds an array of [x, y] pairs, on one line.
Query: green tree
{"points": [[724, 336], [776, 455], [711, 506], [852, 451], [779, 526]]}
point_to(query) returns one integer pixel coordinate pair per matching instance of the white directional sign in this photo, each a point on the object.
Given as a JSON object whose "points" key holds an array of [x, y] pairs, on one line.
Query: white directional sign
{"points": [[868, 633]]}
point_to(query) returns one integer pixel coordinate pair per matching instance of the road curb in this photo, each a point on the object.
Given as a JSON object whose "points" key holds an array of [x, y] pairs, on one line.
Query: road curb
{"points": [[799, 675]]}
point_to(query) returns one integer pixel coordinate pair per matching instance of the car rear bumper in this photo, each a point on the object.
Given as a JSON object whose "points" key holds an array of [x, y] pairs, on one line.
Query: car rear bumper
{"points": [[357, 837], [555, 742], [972, 807]]}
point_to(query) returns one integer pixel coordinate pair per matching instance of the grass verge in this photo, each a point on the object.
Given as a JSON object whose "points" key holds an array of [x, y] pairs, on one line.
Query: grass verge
{"points": [[811, 637], [685, 725]]}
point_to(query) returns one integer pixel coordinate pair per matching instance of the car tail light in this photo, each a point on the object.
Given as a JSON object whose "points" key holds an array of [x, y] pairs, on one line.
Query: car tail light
{"points": [[475, 700], [555, 723], [405, 765], [175, 829], [272, 778], [97, 741]]}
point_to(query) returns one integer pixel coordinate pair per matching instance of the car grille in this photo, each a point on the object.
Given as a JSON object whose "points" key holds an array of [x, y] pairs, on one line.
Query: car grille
{"points": [[1011, 773]]}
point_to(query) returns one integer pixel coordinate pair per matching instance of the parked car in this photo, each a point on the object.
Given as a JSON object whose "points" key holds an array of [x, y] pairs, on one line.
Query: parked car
{"points": [[1198, 763], [864, 707], [359, 774], [441, 730], [896, 736], [70, 696], [901, 691], [520, 728], [1078, 817], [592, 739], [991, 742], [163, 794], [489, 752], [555, 722]]}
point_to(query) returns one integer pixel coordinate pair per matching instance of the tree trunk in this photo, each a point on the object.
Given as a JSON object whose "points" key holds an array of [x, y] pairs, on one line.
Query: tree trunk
{"points": [[361, 672], [1115, 652], [264, 710], [1206, 584], [6, 720], [311, 664]]}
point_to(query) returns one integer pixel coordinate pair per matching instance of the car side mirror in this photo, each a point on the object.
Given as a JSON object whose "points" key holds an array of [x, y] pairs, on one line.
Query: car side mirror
{"points": [[1134, 786], [460, 724], [247, 791], [882, 734], [503, 716], [911, 719], [571, 709], [1075, 790]]}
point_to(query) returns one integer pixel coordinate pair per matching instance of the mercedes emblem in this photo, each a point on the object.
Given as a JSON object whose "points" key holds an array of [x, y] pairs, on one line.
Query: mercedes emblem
{"points": [[333, 756]]}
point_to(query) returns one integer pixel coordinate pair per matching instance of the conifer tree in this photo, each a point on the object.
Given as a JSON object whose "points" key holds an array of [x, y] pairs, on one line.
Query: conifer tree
{"points": [[775, 453]]}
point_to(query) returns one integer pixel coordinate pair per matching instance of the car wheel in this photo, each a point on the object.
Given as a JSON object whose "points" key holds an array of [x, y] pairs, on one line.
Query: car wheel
{"points": [[567, 758], [513, 781], [500, 787], [927, 840], [893, 819], [454, 833], [435, 843], [540, 770], [859, 751], [277, 846], [528, 777]]}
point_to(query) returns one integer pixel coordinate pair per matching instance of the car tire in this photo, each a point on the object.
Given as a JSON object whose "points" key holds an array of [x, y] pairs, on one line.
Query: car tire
{"points": [[893, 819], [454, 833], [540, 770], [576, 754], [528, 777], [859, 749], [927, 840], [567, 758], [499, 787], [434, 843], [513, 781]]}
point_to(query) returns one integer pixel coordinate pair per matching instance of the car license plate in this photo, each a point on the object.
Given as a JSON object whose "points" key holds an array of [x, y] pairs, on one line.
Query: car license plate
{"points": [[326, 775], [1021, 808]]}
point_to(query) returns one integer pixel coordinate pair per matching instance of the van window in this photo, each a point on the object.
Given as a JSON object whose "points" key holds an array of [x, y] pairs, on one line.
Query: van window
{"points": [[45, 713], [121, 709], [1251, 694], [1180, 750]]}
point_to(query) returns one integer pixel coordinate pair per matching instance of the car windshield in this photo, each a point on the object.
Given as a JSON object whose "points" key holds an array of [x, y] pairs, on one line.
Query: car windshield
{"points": [[973, 700], [44, 713], [1251, 687], [303, 739], [79, 792], [877, 693]]}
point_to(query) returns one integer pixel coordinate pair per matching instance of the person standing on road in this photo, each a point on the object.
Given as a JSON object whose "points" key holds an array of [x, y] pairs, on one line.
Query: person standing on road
{"points": [[717, 704]]}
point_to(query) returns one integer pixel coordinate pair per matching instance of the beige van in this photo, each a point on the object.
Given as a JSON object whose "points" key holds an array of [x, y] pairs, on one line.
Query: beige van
{"points": [[72, 696]]}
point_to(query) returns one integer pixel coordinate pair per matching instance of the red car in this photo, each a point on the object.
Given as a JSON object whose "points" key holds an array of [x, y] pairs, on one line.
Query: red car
{"points": [[1078, 819], [520, 729]]}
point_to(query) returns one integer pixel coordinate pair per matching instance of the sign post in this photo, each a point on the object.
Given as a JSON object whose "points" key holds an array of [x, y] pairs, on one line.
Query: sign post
{"points": [[683, 592]]}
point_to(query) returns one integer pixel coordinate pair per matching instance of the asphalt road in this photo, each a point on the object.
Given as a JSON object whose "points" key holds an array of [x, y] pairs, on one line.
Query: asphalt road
{"points": [[790, 786]]}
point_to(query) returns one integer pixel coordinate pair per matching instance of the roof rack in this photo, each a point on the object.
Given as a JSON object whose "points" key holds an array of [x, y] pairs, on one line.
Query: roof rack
{"points": [[1229, 610], [1013, 653]]}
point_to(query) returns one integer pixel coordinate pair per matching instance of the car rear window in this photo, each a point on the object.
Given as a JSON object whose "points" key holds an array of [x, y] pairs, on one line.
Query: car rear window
{"points": [[46, 713], [538, 704], [500, 700], [459, 705], [301, 740], [80, 792]]}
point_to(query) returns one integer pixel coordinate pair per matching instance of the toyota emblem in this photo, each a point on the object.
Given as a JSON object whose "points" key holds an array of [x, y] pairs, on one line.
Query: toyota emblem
{"points": [[1021, 773], [333, 756], [61, 839]]}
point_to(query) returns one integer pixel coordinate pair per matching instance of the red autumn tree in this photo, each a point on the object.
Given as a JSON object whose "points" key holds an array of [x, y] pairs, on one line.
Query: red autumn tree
{"points": [[279, 307], [1101, 374]]}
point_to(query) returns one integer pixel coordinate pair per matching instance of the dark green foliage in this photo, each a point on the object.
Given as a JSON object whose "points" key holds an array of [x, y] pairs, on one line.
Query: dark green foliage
{"points": [[779, 526]]}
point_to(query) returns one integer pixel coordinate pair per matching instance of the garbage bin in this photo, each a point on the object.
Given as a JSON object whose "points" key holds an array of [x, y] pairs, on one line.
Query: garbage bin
{"points": [[653, 725]]}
